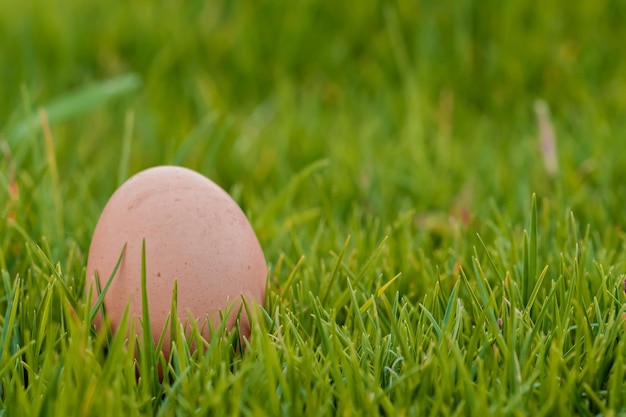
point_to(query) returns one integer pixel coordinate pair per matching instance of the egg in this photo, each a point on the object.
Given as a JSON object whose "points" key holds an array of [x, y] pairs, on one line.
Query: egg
{"points": [[195, 235]]}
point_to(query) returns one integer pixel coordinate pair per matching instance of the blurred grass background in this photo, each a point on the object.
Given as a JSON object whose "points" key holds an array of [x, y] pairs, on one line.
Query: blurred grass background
{"points": [[410, 100], [418, 107], [408, 119]]}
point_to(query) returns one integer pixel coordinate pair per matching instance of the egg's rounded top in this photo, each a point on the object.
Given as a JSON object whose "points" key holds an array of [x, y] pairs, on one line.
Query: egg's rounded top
{"points": [[194, 233]]}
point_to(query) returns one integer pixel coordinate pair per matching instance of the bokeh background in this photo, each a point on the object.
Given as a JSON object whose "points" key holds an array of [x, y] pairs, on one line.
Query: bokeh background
{"points": [[404, 108], [386, 154]]}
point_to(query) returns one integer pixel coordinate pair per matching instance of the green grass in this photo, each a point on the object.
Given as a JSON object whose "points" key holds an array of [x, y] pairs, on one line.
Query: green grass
{"points": [[425, 256]]}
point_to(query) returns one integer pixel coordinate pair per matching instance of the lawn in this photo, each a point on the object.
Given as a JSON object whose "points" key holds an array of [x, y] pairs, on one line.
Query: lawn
{"points": [[438, 187]]}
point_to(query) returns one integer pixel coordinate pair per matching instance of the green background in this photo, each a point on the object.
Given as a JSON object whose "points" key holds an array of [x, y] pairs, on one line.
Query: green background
{"points": [[407, 127]]}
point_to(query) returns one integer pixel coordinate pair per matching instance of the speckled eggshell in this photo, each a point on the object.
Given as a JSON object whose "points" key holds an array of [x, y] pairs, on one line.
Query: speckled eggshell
{"points": [[194, 233]]}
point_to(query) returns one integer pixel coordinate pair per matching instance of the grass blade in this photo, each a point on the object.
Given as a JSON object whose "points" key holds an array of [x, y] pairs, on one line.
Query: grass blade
{"points": [[122, 172], [76, 103], [100, 300], [149, 368], [272, 209], [333, 276], [532, 252], [9, 323]]}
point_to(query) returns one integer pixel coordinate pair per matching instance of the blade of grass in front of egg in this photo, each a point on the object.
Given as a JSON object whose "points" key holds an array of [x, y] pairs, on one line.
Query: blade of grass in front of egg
{"points": [[100, 301], [245, 306], [119, 350], [178, 360], [148, 359], [158, 348], [174, 323]]}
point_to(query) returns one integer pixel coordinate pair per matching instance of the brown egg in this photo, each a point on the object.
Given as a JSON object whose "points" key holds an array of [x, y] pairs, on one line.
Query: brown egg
{"points": [[194, 234]]}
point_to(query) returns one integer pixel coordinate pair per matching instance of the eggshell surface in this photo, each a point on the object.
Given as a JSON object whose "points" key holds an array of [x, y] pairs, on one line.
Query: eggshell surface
{"points": [[194, 233]]}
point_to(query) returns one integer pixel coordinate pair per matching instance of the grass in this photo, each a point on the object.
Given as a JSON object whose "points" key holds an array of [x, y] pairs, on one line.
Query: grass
{"points": [[437, 186]]}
